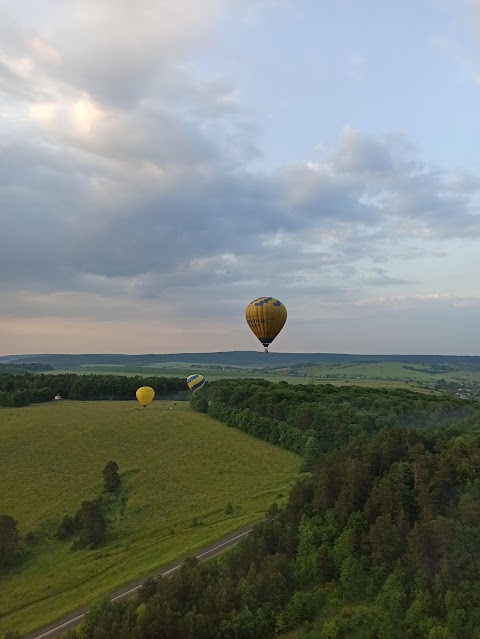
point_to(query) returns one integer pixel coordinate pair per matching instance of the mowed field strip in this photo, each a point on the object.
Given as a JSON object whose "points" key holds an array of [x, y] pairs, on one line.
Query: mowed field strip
{"points": [[177, 465]]}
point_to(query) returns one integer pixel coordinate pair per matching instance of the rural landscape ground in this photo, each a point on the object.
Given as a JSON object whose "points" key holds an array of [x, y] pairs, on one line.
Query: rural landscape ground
{"points": [[428, 373], [464, 380], [180, 470], [187, 479]]}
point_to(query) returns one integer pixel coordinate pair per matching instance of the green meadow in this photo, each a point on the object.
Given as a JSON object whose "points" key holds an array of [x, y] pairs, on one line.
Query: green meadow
{"points": [[389, 375], [179, 468], [374, 370]]}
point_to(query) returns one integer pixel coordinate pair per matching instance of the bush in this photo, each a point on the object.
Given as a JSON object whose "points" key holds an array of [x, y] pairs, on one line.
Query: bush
{"points": [[330, 630], [301, 607], [31, 538], [67, 527]]}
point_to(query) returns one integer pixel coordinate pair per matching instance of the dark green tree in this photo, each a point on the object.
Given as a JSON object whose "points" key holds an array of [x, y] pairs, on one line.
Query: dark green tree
{"points": [[93, 524], [9, 540], [148, 589], [111, 480], [102, 616], [67, 527], [200, 404]]}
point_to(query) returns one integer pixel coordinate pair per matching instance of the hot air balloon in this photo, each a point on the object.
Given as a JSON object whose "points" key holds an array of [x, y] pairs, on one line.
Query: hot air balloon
{"points": [[266, 317], [195, 382], [145, 395]]}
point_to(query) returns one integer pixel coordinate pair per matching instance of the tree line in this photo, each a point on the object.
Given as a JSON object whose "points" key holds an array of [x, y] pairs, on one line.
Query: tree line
{"points": [[21, 390]]}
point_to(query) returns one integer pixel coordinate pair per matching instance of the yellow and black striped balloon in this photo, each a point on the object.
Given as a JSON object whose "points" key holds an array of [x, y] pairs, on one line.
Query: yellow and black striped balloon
{"points": [[266, 317], [195, 382], [145, 395]]}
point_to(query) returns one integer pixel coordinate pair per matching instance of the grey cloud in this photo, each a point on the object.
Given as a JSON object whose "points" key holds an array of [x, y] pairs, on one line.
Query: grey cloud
{"points": [[13, 36], [197, 219], [385, 280], [12, 85], [59, 228], [427, 200], [464, 183], [358, 152], [318, 193], [64, 229]]}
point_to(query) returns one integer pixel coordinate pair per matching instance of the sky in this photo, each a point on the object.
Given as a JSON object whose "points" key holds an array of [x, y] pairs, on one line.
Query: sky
{"points": [[165, 162]]}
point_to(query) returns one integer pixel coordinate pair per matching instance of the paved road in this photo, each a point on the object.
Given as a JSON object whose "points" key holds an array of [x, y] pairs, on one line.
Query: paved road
{"points": [[75, 618]]}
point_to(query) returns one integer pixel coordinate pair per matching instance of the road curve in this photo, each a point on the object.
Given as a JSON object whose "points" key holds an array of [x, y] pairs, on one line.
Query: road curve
{"points": [[75, 618]]}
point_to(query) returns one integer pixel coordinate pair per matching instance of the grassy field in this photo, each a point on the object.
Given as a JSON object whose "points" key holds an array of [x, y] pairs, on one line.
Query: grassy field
{"points": [[177, 465], [383, 370], [328, 374]]}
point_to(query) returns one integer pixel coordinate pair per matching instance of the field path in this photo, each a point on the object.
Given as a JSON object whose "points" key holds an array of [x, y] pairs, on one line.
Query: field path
{"points": [[75, 618]]}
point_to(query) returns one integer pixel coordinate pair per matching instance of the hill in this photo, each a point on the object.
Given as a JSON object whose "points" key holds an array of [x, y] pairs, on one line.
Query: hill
{"points": [[23, 367], [240, 358]]}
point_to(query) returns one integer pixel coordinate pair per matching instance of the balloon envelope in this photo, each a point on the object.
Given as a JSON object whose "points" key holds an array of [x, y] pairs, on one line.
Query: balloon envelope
{"points": [[145, 395], [195, 382], [266, 317]]}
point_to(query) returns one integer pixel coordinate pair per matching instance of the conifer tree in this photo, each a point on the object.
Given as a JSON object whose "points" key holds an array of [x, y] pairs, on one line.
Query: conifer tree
{"points": [[111, 480]]}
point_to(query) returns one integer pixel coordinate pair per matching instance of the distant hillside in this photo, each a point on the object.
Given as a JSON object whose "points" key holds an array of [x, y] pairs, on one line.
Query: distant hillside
{"points": [[239, 358], [23, 367]]}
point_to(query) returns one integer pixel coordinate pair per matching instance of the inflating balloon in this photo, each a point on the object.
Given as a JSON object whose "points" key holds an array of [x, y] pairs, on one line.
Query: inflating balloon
{"points": [[145, 395], [195, 382], [266, 317]]}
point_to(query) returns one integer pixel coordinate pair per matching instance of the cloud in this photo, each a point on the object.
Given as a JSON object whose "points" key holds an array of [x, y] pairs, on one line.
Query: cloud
{"points": [[385, 280], [113, 50], [358, 152], [133, 212]]}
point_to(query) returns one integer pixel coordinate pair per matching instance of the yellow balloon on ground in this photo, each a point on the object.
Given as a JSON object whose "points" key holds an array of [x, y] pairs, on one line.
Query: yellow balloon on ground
{"points": [[145, 395], [195, 382], [266, 317]]}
